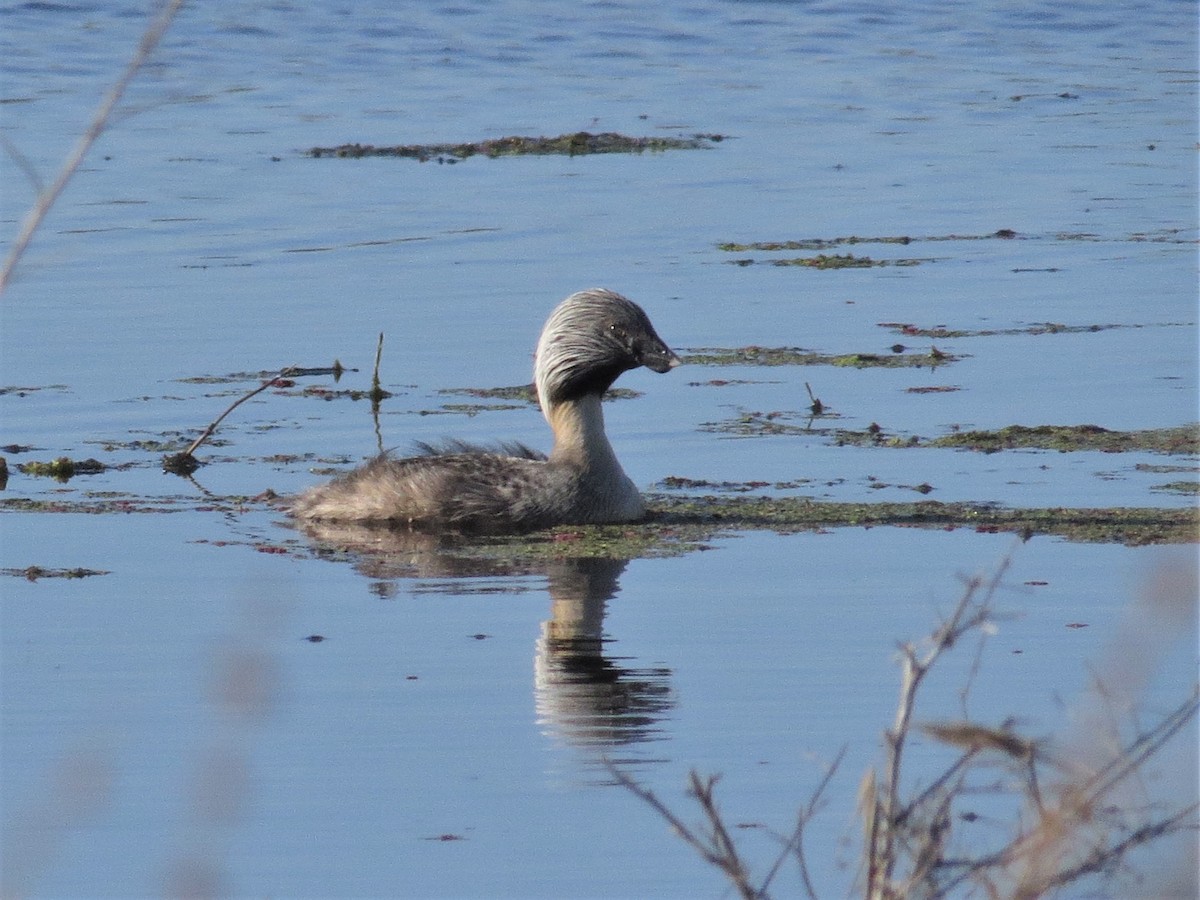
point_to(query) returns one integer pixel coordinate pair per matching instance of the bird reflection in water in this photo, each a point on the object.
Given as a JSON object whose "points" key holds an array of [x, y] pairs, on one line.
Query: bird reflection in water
{"points": [[584, 696]]}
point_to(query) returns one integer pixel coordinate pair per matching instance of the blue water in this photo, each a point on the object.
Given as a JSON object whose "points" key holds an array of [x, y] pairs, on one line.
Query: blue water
{"points": [[199, 240]]}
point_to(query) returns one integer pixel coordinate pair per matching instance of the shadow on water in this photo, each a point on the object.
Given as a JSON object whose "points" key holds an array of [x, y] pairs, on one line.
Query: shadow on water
{"points": [[585, 696]]}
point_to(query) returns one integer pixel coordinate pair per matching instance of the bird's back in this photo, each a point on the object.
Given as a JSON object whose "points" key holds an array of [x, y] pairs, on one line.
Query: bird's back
{"points": [[466, 489]]}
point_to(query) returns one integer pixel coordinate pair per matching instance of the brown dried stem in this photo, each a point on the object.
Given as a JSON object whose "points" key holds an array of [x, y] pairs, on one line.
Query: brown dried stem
{"points": [[185, 463]]}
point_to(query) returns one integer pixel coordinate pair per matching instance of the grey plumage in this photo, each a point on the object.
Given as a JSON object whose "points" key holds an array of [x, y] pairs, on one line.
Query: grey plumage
{"points": [[587, 342]]}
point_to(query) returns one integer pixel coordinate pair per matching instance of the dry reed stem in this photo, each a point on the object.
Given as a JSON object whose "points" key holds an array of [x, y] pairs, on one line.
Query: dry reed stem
{"points": [[1078, 826], [971, 612]]}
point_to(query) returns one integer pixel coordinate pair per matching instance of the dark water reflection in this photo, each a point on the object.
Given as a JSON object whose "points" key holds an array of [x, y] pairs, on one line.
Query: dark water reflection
{"points": [[585, 696]]}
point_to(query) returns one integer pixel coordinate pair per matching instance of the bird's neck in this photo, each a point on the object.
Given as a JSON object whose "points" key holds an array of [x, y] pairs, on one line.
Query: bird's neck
{"points": [[579, 438]]}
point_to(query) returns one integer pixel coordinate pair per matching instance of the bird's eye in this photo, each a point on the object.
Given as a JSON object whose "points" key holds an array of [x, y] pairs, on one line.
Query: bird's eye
{"points": [[618, 331]]}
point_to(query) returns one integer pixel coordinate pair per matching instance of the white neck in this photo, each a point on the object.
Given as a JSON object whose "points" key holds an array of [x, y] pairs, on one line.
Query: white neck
{"points": [[579, 437]]}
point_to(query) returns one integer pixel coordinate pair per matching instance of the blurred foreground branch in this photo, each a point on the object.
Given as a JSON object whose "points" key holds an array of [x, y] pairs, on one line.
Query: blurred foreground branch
{"points": [[47, 196], [1077, 805]]}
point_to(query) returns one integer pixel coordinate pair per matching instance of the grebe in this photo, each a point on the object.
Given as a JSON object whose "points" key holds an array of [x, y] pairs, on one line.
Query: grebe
{"points": [[588, 341]]}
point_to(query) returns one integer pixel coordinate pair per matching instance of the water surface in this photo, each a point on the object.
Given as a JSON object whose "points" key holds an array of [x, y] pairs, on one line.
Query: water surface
{"points": [[200, 241]]}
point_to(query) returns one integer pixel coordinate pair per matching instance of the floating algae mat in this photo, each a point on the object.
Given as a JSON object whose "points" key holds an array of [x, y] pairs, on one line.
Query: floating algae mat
{"points": [[798, 356], [579, 143], [683, 524]]}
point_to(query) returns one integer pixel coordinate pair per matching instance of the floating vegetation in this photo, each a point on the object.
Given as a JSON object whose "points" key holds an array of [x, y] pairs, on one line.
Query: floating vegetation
{"points": [[1159, 469], [1118, 524], [167, 444], [1178, 487], [759, 424], [527, 393], [681, 525], [833, 261], [679, 483], [750, 423], [468, 409], [826, 260], [63, 469], [579, 143], [524, 392], [22, 391], [1063, 438], [112, 502], [841, 261], [33, 573], [810, 244], [873, 436], [796, 356], [940, 332], [728, 382], [1066, 438], [1164, 235], [323, 393]]}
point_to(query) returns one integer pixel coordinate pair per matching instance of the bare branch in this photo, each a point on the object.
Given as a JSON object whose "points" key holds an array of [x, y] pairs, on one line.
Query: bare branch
{"points": [[185, 463], [1067, 827]]}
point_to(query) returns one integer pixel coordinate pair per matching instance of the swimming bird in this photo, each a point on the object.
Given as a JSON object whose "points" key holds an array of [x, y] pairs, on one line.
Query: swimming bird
{"points": [[587, 342]]}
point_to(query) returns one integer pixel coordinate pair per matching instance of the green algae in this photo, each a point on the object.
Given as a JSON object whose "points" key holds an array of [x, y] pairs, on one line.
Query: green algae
{"points": [[683, 524], [680, 525], [1114, 524], [526, 393], [114, 503], [1037, 328], [1178, 487], [1181, 440], [62, 469], [1068, 438], [323, 393], [579, 143]]}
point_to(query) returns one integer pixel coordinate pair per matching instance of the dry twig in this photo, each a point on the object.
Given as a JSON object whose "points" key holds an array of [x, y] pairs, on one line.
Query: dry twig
{"points": [[716, 846], [185, 463], [1067, 827]]}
